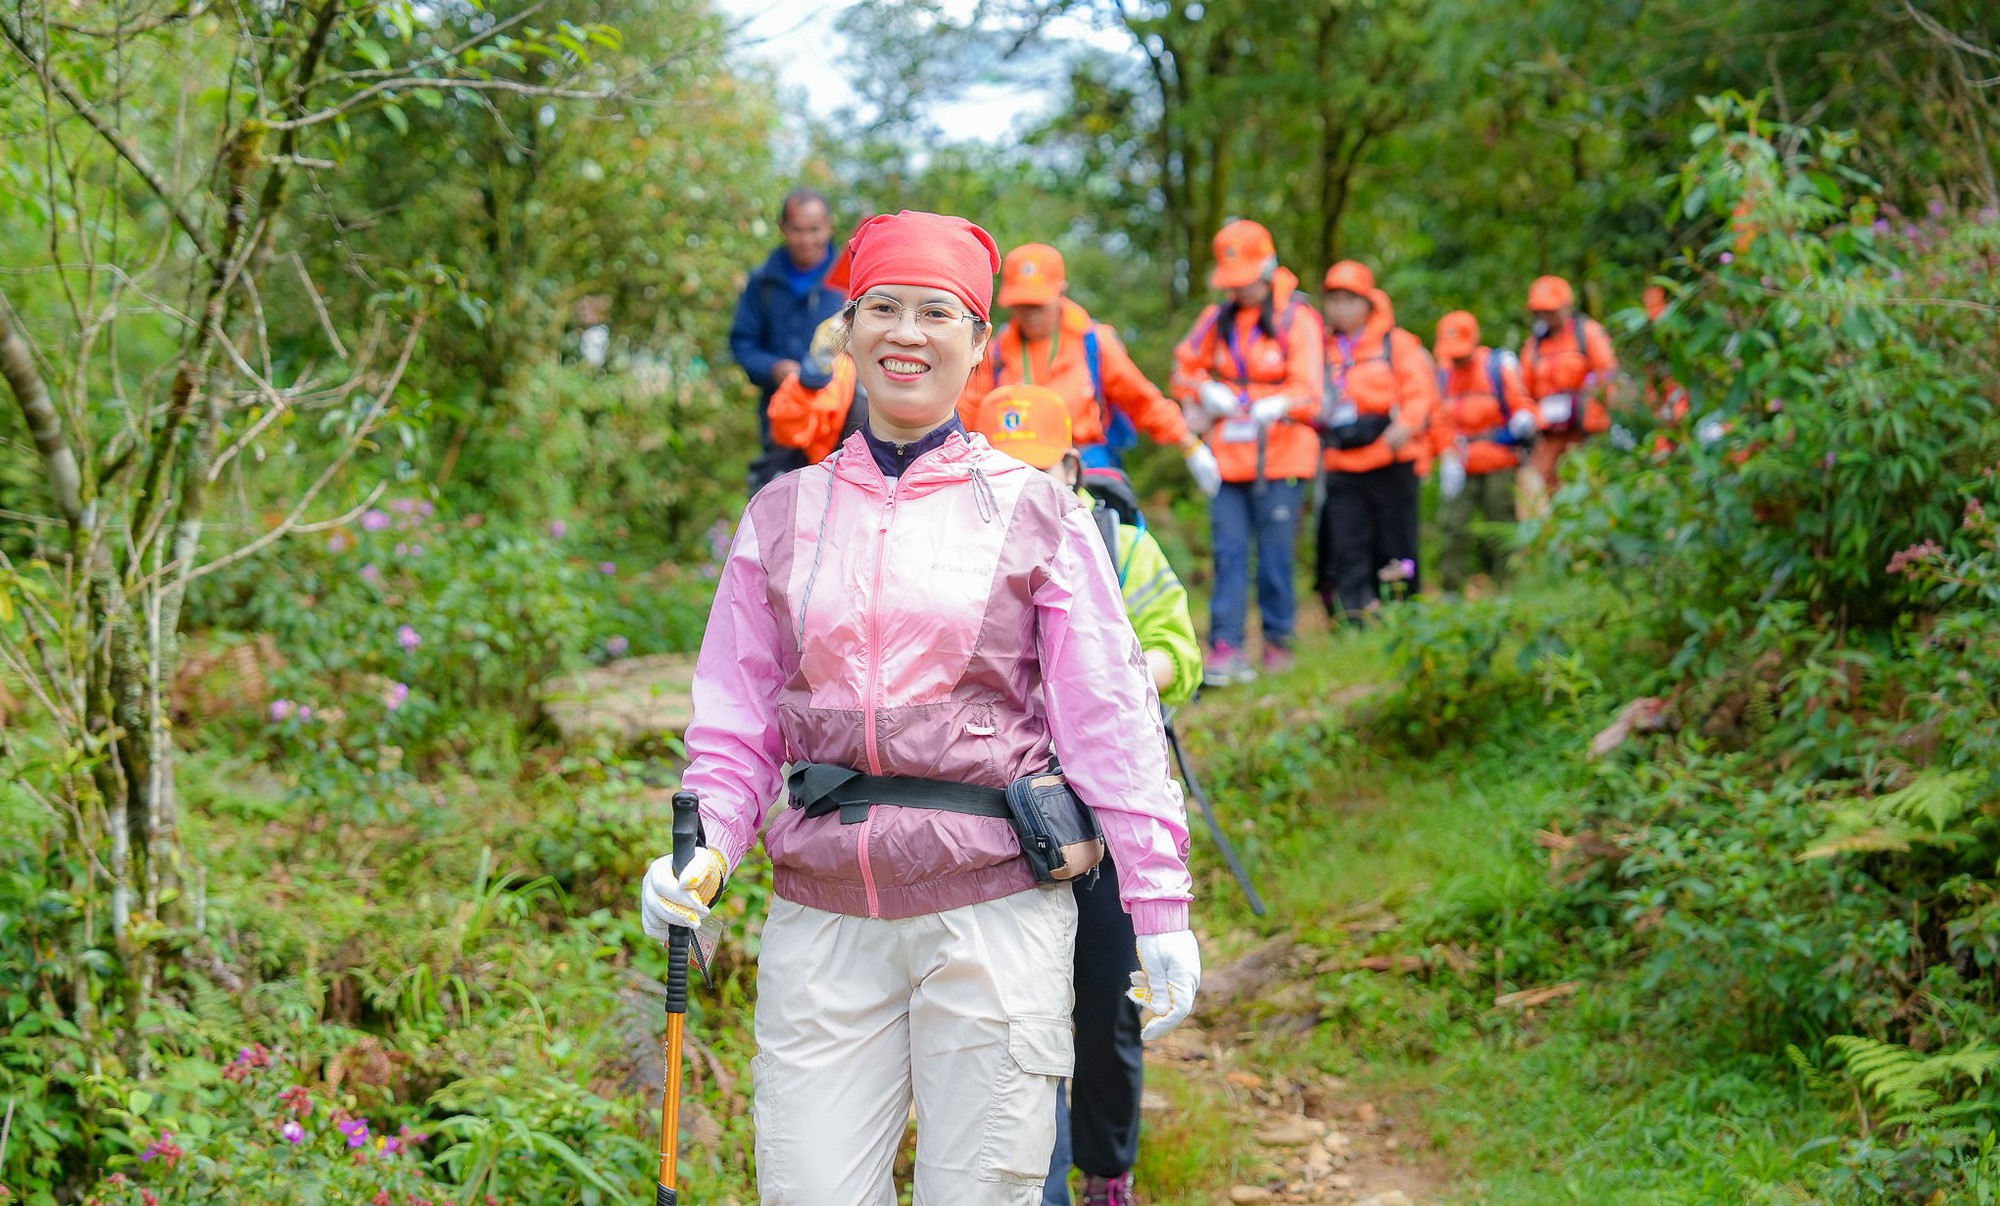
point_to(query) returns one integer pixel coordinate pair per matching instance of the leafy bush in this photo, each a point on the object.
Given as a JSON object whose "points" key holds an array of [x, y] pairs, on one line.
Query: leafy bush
{"points": [[1836, 411]]}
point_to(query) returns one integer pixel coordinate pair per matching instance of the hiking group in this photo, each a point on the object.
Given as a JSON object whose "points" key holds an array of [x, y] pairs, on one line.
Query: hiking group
{"points": [[943, 632]]}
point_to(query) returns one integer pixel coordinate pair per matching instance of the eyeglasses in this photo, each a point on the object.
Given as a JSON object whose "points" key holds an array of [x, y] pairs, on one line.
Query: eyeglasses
{"points": [[882, 314]]}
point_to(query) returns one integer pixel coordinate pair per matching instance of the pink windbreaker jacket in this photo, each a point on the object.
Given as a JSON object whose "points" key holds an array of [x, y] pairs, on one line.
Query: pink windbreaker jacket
{"points": [[909, 627]]}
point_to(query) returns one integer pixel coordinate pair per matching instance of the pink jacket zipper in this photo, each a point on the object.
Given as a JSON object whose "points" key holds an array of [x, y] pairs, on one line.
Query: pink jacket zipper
{"points": [[875, 692]]}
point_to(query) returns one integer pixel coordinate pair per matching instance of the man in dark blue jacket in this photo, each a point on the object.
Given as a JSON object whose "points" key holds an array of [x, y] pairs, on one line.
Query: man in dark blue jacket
{"points": [[783, 303]]}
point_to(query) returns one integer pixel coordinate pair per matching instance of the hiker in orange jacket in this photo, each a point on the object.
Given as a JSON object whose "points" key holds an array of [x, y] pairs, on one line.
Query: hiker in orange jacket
{"points": [[1479, 435], [1251, 371], [821, 404], [1569, 365], [1050, 340], [1382, 390]]}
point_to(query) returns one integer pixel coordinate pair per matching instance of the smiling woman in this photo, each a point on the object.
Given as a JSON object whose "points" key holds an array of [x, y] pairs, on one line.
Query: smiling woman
{"points": [[918, 625]]}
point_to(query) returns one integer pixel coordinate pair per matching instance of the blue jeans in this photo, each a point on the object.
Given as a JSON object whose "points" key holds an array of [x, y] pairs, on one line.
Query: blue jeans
{"points": [[1239, 513]]}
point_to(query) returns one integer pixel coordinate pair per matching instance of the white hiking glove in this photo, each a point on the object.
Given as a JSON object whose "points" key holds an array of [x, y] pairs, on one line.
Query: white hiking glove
{"points": [[1164, 986], [667, 900], [1218, 399], [1451, 477], [1269, 410], [1207, 474], [1522, 425]]}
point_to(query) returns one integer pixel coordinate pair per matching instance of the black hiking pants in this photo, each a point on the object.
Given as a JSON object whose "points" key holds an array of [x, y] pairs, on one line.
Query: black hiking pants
{"points": [[1369, 522], [1104, 1093]]}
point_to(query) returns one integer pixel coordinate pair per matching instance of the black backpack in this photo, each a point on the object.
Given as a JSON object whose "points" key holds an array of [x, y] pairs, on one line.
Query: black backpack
{"points": [[1117, 503]]}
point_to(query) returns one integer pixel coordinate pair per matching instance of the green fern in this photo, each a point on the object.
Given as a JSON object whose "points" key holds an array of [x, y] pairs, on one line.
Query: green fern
{"points": [[1942, 800], [1915, 1085], [1932, 810]]}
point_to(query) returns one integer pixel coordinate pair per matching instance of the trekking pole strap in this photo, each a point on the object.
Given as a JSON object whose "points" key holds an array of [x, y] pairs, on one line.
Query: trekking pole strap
{"points": [[818, 788]]}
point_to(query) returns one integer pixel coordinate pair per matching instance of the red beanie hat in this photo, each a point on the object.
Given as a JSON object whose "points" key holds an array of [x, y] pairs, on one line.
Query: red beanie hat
{"points": [[916, 248]]}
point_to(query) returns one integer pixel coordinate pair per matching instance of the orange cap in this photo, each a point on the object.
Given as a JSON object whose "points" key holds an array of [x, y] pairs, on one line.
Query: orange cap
{"points": [[1244, 252], [1550, 293], [1458, 336], [1031, 275], [1353, 276], [1027, 422]]}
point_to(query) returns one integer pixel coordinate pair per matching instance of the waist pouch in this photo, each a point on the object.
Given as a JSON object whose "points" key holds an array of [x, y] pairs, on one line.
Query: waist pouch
{"points": [[1059, 834], [1359, 433]]}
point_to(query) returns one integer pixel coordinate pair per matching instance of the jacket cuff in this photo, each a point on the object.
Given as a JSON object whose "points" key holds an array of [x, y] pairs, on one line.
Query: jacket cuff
{"points": [[1159, 916]]}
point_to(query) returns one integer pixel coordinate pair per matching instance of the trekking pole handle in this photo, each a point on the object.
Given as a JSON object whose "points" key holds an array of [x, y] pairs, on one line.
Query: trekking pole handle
{"points": [[687, 838]]}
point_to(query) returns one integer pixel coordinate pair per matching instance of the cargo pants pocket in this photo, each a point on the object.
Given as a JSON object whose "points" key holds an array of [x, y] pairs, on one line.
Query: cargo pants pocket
{"points": [[1020, 1129]]}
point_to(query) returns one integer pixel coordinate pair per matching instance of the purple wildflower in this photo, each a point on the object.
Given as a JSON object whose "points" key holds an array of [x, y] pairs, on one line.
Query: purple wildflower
{"points": [[607, 568], [618, 646], [558, 530], [370, 574], [305, 714], [293, 1132], [404, 506], [402, 550], [374, 521], [1829, 461], [1937, 208], [407, 637], [399, 694], [281, 710], [1881, 226], [1729, 257], [356, 1130], [339, 542]]}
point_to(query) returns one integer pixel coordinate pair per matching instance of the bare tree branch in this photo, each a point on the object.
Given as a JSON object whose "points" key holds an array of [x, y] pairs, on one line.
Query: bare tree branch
{"points": [[126, 150], [17, 365], [1932, 26], [361, 432]]}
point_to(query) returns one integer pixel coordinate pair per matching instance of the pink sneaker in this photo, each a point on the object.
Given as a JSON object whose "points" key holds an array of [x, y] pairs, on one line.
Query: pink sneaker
{"points": [[1227, 666], [1278, 659], [1109, 1191]]}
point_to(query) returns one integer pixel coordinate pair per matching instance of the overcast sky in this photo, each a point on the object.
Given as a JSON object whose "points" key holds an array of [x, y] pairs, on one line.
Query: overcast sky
{"points": [[798, 39]]}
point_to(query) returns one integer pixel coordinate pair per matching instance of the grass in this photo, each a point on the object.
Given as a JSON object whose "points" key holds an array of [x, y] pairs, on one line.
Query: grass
{"points": [[1362, 850]]}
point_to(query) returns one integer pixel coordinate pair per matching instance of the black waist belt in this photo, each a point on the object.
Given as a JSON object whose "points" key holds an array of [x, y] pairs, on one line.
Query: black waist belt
{"points": [[818, 788]]}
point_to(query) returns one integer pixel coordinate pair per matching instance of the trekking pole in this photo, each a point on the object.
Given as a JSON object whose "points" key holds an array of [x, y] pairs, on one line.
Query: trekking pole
{"points": [[1214, 825], [687, 836]]}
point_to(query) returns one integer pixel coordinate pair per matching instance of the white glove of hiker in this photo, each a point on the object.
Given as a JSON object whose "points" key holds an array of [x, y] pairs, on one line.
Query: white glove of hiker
{"points": [[1218, 399], [1522, 424], [667, 900], [1269, 410], [1164, 986], [1207, 474], [1451, 477]]}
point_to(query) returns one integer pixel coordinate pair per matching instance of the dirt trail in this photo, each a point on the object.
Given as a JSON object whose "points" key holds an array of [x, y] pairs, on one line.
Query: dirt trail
{"points": [[1317, 1140]]}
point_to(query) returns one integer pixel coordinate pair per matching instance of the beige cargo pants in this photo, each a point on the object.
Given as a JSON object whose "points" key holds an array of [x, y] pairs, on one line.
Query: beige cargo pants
{"points": [[967, 1011]]}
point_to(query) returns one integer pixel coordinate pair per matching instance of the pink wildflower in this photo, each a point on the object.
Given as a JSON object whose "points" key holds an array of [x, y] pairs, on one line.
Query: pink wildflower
{"points": [[374, 521], [281, 710], [163, 1149], [293, 1132], [297, 1099], [407, 637]]}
